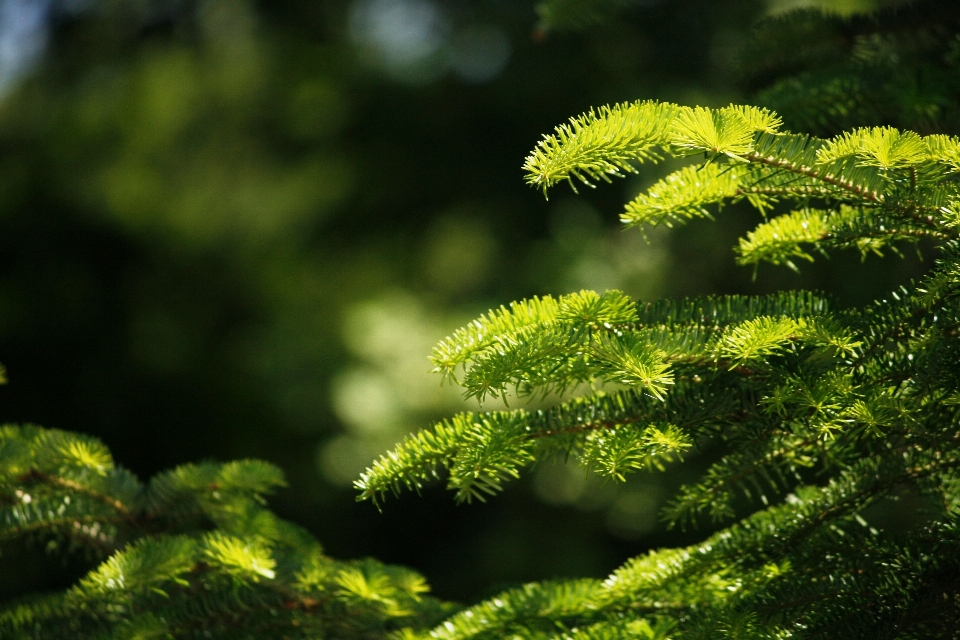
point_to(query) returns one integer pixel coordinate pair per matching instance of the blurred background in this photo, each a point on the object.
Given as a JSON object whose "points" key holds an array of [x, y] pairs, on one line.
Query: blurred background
{"points": [[235, 229]]}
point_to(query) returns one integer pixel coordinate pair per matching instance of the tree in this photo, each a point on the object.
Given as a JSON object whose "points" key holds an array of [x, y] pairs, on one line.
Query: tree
{"points": [[814, 414]]}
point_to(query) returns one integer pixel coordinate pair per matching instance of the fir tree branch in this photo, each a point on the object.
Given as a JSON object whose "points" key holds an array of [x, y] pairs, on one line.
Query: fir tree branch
{"points": [[819, 175], [35, 475]]}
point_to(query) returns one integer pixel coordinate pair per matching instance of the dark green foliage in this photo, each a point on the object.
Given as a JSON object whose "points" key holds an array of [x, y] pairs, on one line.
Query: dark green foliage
{"points": [[577, 14], [194, 553], [824, 73]]}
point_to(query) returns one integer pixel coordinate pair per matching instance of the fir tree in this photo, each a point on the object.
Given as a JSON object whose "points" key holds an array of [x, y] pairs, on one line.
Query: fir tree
{"points": [[818, 413]]}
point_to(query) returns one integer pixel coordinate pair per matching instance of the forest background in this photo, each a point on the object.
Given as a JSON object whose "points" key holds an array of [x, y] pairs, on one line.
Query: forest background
{"points": [[232, 229]]}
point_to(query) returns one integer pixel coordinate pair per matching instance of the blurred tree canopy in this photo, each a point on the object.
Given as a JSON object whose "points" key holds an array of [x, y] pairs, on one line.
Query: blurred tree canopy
{"points": [[233, 229]]}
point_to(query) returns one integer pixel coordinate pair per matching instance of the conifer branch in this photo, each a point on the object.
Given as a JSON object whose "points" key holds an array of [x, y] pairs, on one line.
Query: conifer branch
{"points": [[826, 177], [34, 476], [865, 398], [195, 552]]}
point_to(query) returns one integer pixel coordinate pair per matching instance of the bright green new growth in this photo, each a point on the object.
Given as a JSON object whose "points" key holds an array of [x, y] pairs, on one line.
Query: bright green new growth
{"points": [[818, 414], [193, 553], [601, 143], [894, 185]]}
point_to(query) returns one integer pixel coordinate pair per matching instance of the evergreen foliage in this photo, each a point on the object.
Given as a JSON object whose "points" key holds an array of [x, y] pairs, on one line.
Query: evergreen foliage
{"points": [[193, 553], [818, 413], [815, 413], [824, 73]]}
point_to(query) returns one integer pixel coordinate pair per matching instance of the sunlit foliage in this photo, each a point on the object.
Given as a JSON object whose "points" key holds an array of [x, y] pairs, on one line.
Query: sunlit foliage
{"points": [[818, 413]]}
